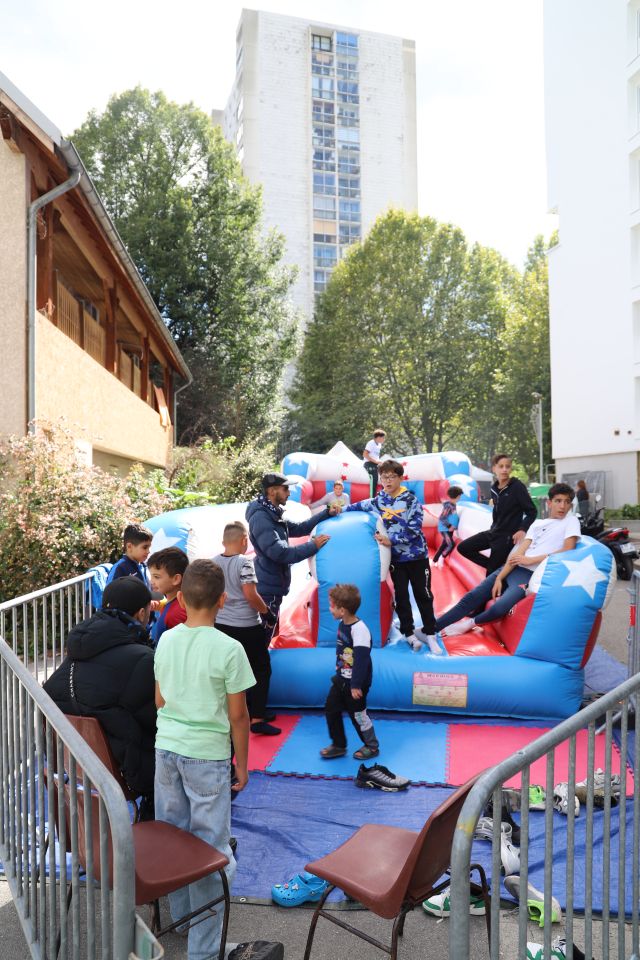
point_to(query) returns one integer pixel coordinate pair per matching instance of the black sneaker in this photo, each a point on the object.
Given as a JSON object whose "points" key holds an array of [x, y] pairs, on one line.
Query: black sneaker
{"points": [[265, 729], [378, 777]]}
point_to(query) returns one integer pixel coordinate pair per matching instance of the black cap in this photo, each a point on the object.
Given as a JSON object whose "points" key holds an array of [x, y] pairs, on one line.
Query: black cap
{"points": [[274, 480], [129, 594]]}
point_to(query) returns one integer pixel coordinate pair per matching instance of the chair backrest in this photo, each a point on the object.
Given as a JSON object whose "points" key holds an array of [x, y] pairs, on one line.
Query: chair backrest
{"points": [[90, 729], [431, 855], [79, 821]]}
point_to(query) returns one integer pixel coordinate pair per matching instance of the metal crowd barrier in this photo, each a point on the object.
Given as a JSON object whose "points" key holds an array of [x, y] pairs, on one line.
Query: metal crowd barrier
{"points": [[617, 936], [46, 771], [36, 625]]}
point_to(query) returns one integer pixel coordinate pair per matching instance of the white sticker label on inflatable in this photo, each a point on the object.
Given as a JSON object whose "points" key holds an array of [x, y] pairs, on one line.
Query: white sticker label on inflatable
{"points": [[440, 689]]}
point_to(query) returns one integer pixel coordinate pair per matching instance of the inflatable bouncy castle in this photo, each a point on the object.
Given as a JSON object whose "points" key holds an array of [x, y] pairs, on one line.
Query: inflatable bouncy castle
{"points": [[530, 664]]}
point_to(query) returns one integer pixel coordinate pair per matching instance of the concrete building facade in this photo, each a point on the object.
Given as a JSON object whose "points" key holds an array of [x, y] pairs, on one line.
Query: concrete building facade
{"points": [[324, 119], [592, 102]]}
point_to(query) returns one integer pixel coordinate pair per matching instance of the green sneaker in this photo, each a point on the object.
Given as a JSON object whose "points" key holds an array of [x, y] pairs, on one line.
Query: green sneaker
{"points": [[537, 797], [440, 904], [535, 900]]}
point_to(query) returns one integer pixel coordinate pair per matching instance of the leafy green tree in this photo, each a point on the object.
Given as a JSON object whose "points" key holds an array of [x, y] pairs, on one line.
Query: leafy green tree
{"points": [[526, 366], [191, 222], [407, 335]]}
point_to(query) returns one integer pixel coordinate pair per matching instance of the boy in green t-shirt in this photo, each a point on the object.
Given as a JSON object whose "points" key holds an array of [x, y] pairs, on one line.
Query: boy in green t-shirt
{"points": [[201, 676]]}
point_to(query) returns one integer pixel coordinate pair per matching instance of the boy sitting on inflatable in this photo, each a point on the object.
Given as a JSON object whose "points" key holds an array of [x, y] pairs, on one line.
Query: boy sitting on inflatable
{"points": [[558, 532]]}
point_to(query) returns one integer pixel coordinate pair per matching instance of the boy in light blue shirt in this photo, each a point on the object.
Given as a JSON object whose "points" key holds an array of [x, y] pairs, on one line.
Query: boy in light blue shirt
{"points": [[201, 678]]}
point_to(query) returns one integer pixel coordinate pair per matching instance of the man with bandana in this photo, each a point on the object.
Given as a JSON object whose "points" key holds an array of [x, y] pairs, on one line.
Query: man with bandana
{"points": [[269, 533]]}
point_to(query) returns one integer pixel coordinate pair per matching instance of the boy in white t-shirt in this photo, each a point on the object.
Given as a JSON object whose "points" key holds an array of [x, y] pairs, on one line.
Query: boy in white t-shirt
{"points": [[371, 458], [560, 531]]}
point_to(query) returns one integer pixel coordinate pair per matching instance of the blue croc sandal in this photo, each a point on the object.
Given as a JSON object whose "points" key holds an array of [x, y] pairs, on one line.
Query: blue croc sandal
{"points": [[305, 887]]}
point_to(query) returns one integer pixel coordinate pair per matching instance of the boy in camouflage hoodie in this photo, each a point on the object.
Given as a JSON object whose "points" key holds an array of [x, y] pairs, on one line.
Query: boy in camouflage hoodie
{"points": [[400, 512]]}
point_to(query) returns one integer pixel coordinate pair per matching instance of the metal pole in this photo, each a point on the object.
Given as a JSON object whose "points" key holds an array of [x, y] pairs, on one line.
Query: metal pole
{"points": [[540, 439]]}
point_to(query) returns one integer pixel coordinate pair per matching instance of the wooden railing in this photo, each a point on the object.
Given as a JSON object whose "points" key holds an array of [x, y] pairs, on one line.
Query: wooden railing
{"points": [[125, 368], [137, 380], [94, 338], [68, 313]]}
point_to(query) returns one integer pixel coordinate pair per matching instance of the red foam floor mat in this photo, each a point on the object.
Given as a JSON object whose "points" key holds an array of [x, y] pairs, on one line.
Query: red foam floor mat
{"points": [[473, 748], [263, 749]]}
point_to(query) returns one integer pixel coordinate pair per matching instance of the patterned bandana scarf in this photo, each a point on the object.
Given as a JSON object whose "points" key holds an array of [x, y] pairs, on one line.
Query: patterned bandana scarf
{"points": [[264, 502]]}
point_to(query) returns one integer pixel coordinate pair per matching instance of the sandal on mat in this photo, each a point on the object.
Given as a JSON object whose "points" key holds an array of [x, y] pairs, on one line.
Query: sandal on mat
{"points": [[304, 887], [365, 753], [332, 752]]}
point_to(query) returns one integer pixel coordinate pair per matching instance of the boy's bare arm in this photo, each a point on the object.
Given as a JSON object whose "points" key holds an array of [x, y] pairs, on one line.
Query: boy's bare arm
{"points": [[160, 701], [239, 721], [253, 598]]}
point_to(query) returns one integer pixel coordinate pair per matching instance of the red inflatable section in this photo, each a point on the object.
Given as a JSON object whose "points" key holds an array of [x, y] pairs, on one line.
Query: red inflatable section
{"points": [[357, 491]]}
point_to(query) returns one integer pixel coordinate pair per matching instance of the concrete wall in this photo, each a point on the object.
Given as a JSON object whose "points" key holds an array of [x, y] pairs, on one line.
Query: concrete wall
{"points": [[103, 412], [621, 471], [387, 125], [13, 292], [594, 272]]}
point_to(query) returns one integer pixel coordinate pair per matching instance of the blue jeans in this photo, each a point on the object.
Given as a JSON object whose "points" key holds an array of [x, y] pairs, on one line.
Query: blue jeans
{"points": [[514, 590], [196, 796]]}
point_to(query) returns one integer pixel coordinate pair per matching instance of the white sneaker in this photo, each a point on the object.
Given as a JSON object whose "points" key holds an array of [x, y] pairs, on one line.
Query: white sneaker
{"points": [[440, 904], [561, 799], [414, 643], [535, 951], [457, 629], [510, 856]]}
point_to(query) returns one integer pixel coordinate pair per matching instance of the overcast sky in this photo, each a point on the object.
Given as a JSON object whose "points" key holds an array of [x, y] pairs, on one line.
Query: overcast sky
{"points": [[481, 161]]}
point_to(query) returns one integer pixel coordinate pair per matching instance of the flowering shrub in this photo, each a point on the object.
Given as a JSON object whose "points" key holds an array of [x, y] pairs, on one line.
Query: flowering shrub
{"points": [[58, 516]]}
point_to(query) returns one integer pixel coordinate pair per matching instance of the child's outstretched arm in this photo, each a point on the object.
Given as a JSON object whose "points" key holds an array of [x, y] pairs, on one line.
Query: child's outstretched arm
{"points": [[253, 598], [239, 722]]}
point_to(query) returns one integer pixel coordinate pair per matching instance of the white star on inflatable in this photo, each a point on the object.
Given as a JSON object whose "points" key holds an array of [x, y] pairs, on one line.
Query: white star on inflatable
{"points": [[161, 540], [583, 573], [292, 460], [467, 484]]}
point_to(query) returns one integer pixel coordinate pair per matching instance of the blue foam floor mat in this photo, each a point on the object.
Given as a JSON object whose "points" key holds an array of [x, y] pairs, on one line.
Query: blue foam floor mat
{"points": [[417, 750], [284, 822], [603, 672]]}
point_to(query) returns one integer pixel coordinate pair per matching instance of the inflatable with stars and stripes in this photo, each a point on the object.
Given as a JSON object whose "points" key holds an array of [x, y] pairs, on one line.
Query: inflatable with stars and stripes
{"points": [[529, 665]]}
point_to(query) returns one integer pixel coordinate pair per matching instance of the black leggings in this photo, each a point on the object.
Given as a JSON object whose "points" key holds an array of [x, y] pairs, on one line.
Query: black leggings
{"points": [[446, 547], [500, 548], [257, 651], [418, 574]]}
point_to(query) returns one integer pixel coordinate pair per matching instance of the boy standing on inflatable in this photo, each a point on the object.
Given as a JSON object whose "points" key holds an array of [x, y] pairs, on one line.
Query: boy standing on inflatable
{"points": [[371, 458], [513, 514], [401, 514]]}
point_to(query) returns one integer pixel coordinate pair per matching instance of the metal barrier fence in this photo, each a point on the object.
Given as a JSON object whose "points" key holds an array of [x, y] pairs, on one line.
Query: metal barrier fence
{"points": [[36, 625], [47, 771], [615, 937]]}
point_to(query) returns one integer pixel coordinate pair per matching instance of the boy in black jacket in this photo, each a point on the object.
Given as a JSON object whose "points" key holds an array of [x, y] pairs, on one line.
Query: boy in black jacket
{"points": [[352, 679], [513, 514], [107, 673]]}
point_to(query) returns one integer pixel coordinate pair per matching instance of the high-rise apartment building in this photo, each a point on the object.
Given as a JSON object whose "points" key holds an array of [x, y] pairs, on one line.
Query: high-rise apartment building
{"points": [[592, 103], [324, 118]]}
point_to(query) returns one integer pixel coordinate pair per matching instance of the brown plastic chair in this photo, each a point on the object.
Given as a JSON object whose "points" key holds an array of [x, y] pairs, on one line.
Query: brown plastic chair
{"points": [[90, 729], [390, 870], [166, 857]]}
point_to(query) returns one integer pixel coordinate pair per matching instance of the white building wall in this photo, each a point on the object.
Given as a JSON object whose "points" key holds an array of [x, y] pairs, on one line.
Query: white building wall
{"points": [[387, 126], [273, 129], [594, 272]]}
